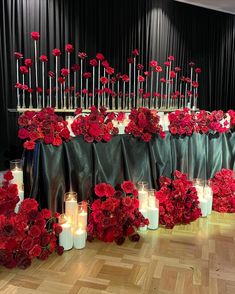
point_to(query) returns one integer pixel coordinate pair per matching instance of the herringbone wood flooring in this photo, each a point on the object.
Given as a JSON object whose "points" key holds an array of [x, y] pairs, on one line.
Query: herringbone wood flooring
{"points": [[193, 259]]}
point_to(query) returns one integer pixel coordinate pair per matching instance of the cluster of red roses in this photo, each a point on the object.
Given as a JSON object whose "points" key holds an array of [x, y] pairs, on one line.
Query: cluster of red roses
{"points": [[144, 123], [96, 126], [232, 118], [44, 125], [223, 187], [115, 215], [27, 234], [182, 122], [178, 201]]}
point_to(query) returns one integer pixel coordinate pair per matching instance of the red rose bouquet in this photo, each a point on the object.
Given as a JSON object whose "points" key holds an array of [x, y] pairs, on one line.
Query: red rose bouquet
{"points": [[178, 201], [216, 122], [144, 123], [182, 122], [115, 214], [44, 125], [232, 118], [96, 126], [223, 187], [8, 195]]}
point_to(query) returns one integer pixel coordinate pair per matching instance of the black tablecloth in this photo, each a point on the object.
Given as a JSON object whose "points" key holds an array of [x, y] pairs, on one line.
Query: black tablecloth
{"points": [[50, 171]]}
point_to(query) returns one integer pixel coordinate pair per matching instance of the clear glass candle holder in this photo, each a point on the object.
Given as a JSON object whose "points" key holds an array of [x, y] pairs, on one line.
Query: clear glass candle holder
{"points": [[142, 188], [70, 199], [16, 164], [17, 173], [82, 215], [152, 201]]}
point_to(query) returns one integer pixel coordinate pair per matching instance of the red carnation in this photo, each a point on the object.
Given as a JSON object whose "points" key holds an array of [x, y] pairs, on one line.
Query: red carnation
{"points": [[82, 55], [28, 62], [100, 56], [135, 52], [104, 80], [24, 70], [75, 67], [43, 58], [56, 52], [18, 55], [35, 36], [87, 75], [153, 63], [64, 72], [69, 48], [127, 187], [93, 62]]}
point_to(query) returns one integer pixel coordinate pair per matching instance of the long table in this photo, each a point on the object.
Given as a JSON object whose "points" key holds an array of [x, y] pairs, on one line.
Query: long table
{"points": [[51, 171]]}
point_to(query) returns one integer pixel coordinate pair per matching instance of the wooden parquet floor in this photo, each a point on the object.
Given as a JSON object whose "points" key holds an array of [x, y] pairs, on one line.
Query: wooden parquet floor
{"points": [[195, 259]]}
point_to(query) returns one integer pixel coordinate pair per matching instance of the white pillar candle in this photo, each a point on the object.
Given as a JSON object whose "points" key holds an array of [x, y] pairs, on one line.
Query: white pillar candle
{"points": [[79, 239], [153, 216], [143, 199], [21, 196], [82, 220], [18, 178], [203, 204], [71, 211], [66, 237], [208, 194], [199, 191], [145, 215]]}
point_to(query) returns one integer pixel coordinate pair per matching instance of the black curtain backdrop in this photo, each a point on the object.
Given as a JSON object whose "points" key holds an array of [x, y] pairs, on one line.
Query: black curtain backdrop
{"points": [[158, 28]]}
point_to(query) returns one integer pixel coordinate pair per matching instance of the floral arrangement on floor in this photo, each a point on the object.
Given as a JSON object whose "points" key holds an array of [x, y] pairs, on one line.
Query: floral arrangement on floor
{"points": [[182, 122], [144, 123], [115, 214], [45, 126], [215, 122], [28, 234], [96, 126], [178, 201], [223, 187]]}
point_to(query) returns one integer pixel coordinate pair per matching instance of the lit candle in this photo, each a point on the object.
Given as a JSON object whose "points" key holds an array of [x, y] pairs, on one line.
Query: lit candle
{"points": [[71, 207], [66, 237], [17, 173], [82, 220], [142, 195], [79, 239]]}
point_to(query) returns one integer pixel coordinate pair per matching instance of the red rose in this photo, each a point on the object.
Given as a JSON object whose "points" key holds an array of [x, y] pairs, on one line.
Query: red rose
{"points": [[158, 68], [18, 55], [94, 130], [104, 80], [130, 60], [109, 236], [35, 251], [24, 70], [46, 213], [65, 134], [51, 74], [125, 78], [140, 66], [171, 58], [105, 63], [39, 90], [177, 69], [87, 75], [93, 62], [69, 48], [107, 137], [58, 229], [57, 141], [8, 176], [61, 80], [162, 80], [34, 231], [43, 58], [147, 73], [56, 52], [141, 79], [28, 62], [75, 67], [109, 70], [135, 52], [146, 137], [135, 238], [82, 55], [30, 90], [153, 63], [27, 205], [64, 72], [59, 250], [130, 231], [127, 187], [191, 63], [127, 201], [198, 70], [45, 239], [35, 36], [100, 56], [23, 133], [172, 74], [100, 189], [29, 145], [49, 138], [167, 63], [27, 243]]}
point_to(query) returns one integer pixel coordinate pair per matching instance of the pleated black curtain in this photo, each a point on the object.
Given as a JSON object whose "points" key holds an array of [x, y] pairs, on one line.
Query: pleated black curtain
{"points": [[158, 28]]}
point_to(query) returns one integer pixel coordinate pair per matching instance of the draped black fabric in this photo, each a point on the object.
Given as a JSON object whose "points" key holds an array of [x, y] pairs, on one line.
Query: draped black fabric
{"points": [[158, 28], [78, 166]]}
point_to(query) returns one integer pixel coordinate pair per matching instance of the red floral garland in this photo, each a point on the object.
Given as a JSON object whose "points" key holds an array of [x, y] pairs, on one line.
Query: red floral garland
{"points": [[96, 126], [115, 215], [28, 234], [178, 201], [144, 123], [44, 125], [223, 187]]}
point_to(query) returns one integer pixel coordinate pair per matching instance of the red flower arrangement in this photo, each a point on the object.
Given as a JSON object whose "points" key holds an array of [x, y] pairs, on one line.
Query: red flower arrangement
{"points": [[28, 234], [178, 201], [44, 125], [96, 126], [223, 187], [115, 214], [232, 118], [144, 123], [182, 122]]}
